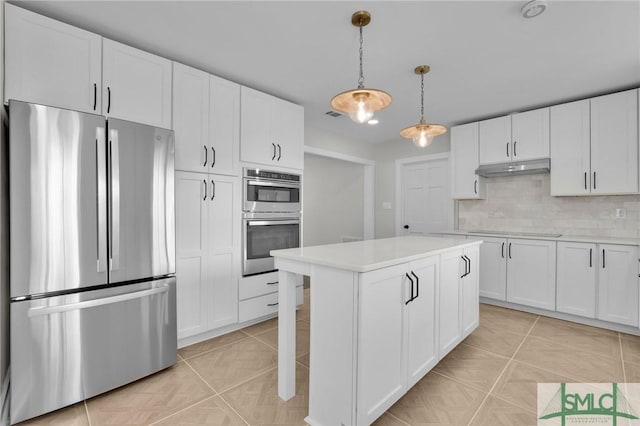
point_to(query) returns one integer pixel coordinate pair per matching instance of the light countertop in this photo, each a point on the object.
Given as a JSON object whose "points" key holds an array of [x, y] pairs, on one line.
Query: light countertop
{"points": [[573, 238], [369, 255]]}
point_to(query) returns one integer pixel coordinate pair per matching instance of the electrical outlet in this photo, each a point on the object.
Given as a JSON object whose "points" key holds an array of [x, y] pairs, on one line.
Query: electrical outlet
{"points": [[621, 213]]}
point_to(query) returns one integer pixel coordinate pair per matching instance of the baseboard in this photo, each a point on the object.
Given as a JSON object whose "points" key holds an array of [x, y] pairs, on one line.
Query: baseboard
{"points": [[4, 397]]}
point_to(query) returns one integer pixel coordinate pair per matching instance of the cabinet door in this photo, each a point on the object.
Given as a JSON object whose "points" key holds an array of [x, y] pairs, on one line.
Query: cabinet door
{"points": [[191, 118], [493, 268], [422, 347], [495, 140], [450, 329], [530, 134], [256, 142], [136, 85], [570, 142], [576, 282], [223, 235], [618, 284], [288, 134], [614, 143], [470, 304], [464, 158], [531, 273], [381, 367], [51, 63], [192, 254], [224, 125]]}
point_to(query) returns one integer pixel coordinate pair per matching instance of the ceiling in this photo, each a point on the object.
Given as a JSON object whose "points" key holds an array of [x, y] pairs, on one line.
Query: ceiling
{"points": [[486, 59]]}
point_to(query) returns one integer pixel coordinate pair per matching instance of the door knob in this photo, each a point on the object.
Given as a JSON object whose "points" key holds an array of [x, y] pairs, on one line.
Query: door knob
{"points": [[406, 227]]}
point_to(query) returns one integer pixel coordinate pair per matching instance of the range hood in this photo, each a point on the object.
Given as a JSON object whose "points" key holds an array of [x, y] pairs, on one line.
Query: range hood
{"points": [[531, 167]]}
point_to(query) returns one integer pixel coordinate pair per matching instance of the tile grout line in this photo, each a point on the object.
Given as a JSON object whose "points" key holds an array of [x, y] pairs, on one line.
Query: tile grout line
{"points": [[215, 392], [246, 336], [183, 409], [624, 370], [86, 408], [397, 418], [475, 414], [234, 410]]}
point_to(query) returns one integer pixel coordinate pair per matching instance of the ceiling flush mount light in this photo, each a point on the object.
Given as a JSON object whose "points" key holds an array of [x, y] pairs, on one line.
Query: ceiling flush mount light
{"points": [[533, 8], [422, 133], [362, 102]]}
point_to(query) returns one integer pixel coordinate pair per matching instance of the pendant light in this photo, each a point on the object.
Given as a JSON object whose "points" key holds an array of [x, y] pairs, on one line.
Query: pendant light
{"points": [[423, 133], [361, 103]]}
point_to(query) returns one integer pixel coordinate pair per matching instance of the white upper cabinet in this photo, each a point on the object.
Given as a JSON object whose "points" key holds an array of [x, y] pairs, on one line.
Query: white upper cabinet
{"points": [[51, 63], [136, 85], [614, 143], [191, 118], [594, 146], [518, 137], [530, 135], [464, 161], [206, 120], [570, 149], [495, 140], [224, 125], [271, 130]]}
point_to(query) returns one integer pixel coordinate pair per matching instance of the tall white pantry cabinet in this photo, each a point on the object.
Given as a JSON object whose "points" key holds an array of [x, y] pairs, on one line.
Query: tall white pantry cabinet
{"points": [[206, 122]]}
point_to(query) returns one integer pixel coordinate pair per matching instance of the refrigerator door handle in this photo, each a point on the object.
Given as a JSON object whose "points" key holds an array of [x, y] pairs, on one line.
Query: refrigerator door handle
{"points": [[101, 202], [114, 163], [39, 311]]}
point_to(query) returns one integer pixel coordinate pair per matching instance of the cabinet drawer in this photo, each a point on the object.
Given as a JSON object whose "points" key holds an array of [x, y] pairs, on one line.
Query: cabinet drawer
{"points": [[257, 285], [264, 305]]}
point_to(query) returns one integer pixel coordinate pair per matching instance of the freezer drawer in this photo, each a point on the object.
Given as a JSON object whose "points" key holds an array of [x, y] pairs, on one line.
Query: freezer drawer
{"points": [[68, 348]]}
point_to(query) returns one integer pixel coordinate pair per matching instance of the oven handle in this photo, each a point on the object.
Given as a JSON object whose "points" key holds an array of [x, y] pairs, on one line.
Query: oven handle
{"points": [[272, 222], [276, 184]]}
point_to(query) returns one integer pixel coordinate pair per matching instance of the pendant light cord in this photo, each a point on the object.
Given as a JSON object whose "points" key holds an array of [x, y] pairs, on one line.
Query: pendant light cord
{"points": [[422, 98], [361, 79]]}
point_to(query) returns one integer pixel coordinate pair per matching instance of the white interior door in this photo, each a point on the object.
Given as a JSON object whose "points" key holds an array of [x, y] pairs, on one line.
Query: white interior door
{"points": [[426, 203]]}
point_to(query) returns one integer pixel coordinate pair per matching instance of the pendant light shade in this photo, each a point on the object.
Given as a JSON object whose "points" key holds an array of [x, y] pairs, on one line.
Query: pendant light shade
{"points": [[423, 133], [361, 103]]}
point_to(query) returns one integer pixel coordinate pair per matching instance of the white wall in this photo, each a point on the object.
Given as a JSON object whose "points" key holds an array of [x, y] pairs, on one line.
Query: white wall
{"points": [[385, 156], [336, 143], [333, 200]]}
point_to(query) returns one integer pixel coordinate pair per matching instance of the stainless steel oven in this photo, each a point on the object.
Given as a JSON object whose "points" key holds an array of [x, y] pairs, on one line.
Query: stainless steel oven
{"points": [[268, 191], [263, 232]]}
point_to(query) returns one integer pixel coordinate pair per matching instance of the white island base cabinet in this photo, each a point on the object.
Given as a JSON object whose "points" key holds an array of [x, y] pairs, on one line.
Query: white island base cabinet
{"points": [[374, 333]]}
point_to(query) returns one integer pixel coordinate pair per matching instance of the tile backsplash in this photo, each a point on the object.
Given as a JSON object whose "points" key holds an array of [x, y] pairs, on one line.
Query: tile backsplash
{"points": [[524, 204]]}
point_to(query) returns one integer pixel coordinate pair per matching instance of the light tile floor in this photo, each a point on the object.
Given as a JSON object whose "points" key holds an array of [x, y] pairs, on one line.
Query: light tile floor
{"points": [[489, 379]]}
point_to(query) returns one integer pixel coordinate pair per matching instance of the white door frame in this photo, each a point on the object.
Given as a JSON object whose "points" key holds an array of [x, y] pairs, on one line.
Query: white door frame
{"points": [[400, 202], [369, 184]]}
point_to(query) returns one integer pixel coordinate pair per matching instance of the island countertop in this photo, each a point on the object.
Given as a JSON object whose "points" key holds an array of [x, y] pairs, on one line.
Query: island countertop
{"points": [[369, 255]]}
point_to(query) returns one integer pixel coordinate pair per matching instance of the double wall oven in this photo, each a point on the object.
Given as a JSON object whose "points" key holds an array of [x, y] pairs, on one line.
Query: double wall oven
{"points": [[270, 217]]}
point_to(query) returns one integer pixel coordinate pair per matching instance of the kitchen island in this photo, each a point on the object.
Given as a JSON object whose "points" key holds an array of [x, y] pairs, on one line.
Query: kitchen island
{"points": [[383, 313]]}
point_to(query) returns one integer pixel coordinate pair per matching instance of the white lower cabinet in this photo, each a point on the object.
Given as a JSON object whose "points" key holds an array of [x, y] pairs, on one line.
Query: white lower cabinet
{"points": [[493, 272], [459, 307], [400, 334], [618, 284], [576, 279], [531, 273], [207, 252]]}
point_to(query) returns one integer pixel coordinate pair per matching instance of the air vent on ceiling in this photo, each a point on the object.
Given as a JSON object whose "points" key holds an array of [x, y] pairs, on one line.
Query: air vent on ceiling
{"points": [[333, 113]]}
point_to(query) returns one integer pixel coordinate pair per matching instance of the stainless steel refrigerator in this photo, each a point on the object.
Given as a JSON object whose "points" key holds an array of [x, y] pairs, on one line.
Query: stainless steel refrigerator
{"points": [[92, 246]]}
